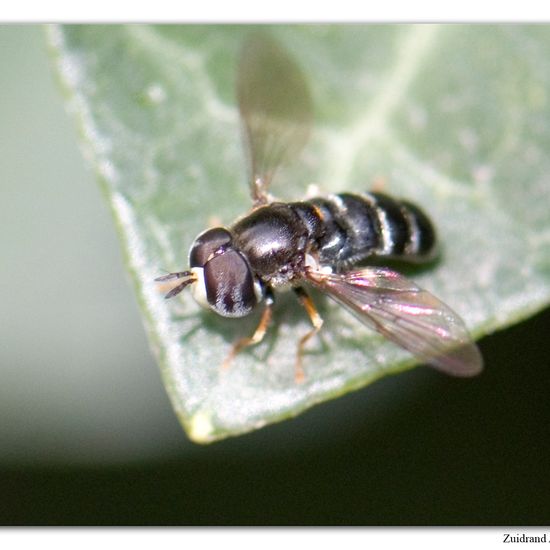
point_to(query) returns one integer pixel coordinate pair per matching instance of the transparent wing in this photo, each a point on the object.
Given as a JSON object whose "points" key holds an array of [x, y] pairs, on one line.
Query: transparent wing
{"points": [[275, 107], [405, 314]]}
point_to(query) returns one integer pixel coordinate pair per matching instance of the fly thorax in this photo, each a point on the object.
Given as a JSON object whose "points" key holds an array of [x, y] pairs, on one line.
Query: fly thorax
{"points": [[273, 240]]}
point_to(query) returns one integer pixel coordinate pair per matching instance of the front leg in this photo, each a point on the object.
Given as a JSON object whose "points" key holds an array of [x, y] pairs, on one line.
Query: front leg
{"points": [[259, 333]]}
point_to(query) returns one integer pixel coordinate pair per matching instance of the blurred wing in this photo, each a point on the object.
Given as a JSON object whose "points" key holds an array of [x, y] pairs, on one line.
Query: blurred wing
{"points": [[405, 314], [275, 107]]}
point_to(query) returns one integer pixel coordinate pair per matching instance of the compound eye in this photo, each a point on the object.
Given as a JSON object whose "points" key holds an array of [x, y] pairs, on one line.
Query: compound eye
{"points": [[230, 287], [206, 244]]}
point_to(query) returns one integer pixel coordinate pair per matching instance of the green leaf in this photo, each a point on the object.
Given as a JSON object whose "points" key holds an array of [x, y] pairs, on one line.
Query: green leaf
{"points": [[453, 117]]}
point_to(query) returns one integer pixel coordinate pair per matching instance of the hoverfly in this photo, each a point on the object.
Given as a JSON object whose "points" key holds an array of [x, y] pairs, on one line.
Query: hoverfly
{"points": [[319, 241]]}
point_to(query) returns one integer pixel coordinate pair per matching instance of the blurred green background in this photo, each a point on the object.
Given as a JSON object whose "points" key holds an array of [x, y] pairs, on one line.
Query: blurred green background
{"points": [[87, 433]]}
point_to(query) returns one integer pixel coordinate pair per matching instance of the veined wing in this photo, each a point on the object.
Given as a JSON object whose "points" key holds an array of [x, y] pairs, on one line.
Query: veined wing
{"points": [[275, 107], [405, 314]]}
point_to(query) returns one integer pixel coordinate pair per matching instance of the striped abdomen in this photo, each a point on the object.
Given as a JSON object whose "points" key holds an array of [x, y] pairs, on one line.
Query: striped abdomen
{"points": [[348, 228]]}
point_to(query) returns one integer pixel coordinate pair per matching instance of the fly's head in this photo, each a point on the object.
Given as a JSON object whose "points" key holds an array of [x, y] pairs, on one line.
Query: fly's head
{"points": [[220, 276]]}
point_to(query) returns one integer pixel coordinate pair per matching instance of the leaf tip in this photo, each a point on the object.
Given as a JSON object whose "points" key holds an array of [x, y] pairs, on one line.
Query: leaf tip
{"points": [[200, 427]]}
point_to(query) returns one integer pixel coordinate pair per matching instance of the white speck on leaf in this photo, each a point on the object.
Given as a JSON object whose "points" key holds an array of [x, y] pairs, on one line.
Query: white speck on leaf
{"points": [[156, 93]]}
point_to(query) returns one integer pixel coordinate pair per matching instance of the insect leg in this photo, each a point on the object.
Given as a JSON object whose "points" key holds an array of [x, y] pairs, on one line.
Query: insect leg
{"points": [[379, 184], [317, 323], [259, 333]]}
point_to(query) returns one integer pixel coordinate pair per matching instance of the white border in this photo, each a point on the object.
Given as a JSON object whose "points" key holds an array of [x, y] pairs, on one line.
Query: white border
{"points": [[267, 539], [276, 11]]}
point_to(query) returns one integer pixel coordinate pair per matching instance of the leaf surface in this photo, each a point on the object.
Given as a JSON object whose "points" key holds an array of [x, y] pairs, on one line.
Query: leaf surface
{"points": [[453, 117]]}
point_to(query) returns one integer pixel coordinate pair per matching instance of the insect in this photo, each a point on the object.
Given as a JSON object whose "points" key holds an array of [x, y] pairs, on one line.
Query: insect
{"points": [[320, 241]]}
